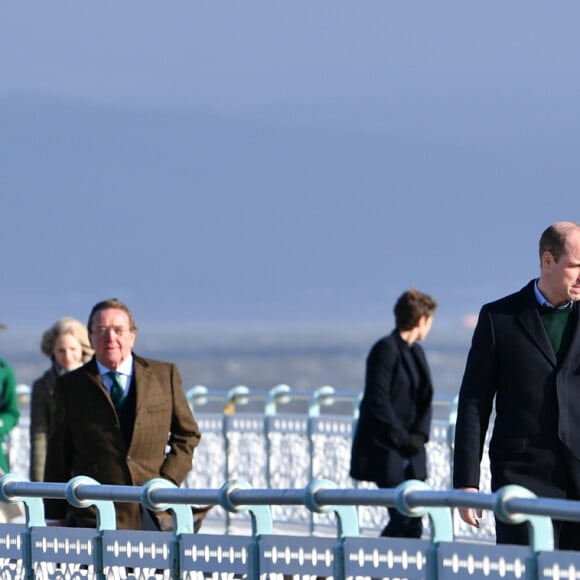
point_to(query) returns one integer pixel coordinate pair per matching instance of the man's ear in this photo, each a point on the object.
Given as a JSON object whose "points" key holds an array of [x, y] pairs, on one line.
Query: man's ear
{"points": [[547, 259]]}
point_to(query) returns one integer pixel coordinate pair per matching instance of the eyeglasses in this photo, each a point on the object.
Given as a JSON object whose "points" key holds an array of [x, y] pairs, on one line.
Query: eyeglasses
{"points": [[118, 330]]}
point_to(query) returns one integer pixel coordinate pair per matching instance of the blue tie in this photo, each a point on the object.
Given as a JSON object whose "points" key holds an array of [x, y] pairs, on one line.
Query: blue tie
{"points": [[117, 391]]}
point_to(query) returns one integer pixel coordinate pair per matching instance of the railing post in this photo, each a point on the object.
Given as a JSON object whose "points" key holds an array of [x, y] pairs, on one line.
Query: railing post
{"points": [[106, 517], [321, 396], [182, 518], [238, 395], [347, 520], [440, 519], [541, 530], [278, 395], [181, 513], [451, 424], [33, 506], [355, 417], [34, 512], [262, 521], [197, 396]]}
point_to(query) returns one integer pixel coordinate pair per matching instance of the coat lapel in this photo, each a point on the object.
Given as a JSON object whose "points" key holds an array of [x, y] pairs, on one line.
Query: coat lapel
{"points": [[420, 356], [534, 327], [532, 323], [406, 357], [574, 348], [415, 362], [141, 382], [94, 376]]}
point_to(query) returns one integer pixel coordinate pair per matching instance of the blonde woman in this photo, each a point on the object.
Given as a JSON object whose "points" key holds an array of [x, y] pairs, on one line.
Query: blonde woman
{"points": [[67, 345]]}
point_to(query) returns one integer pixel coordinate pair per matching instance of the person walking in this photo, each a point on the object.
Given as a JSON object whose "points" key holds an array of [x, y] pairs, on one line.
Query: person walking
{"points": [[9, 412], [395, 412], [66, 344], [121, 419], [9, 417], [525, 356]]}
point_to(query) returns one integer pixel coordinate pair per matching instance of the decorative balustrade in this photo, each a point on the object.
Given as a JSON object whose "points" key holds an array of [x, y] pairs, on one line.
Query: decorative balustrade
{"points": [[285, 438], [32, 550]]}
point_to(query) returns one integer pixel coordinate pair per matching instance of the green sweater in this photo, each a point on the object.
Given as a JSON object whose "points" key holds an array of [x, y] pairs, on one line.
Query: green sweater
{"points": [[560, 326]]}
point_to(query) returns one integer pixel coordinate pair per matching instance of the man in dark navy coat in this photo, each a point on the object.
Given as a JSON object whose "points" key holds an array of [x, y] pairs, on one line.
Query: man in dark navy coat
{"points": [[395, 412], [525, 353]]}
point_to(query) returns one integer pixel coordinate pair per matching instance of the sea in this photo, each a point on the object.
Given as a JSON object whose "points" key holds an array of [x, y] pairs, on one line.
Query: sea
{"points": [[261, 357]]}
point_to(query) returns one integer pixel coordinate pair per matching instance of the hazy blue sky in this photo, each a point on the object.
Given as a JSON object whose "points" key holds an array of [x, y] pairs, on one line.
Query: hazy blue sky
{"points": [[300, 161]]}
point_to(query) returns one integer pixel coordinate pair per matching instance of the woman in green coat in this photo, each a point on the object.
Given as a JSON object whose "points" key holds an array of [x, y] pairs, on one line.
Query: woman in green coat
{"points": [[9, 413]]}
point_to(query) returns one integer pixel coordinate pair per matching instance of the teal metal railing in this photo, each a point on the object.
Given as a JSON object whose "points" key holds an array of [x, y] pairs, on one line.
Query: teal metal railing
{"points": [[284, 438], [33, 550]]}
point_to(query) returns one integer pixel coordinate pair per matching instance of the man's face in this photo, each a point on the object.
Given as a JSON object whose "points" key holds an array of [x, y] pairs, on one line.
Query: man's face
{"points": [[112, 337], [425, 324], [563, 276]]}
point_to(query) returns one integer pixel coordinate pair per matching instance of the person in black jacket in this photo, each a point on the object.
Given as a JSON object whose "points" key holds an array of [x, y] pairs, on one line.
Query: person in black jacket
{"points": [[395, 412], [525, 358]]}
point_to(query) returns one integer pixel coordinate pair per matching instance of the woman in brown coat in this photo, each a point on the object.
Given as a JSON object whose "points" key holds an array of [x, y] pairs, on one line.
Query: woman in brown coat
{"points": [[66, 343]]}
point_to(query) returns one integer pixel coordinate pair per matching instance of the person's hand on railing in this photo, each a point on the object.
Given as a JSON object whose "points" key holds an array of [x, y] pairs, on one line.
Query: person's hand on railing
{"points": [[470, 516]]}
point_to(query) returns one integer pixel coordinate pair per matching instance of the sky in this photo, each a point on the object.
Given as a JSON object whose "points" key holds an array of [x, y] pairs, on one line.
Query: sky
{"points": [[254, 162]]}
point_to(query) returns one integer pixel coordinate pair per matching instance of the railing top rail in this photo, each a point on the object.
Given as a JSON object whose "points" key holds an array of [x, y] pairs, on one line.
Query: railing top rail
{"points": [[513, 499]]}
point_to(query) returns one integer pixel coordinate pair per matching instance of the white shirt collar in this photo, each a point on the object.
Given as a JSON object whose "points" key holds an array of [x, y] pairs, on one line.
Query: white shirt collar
{"points": [[543, 302], [125, 368]]}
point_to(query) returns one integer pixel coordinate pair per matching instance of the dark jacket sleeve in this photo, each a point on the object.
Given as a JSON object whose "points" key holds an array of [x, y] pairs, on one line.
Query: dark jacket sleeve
{"points": [[475, 404], [424, 405], [59, 454], [40, 414]]}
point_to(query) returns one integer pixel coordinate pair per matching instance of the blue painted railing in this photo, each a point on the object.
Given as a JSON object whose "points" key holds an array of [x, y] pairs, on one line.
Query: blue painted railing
{"points": [[284, 438], [32, 550]]}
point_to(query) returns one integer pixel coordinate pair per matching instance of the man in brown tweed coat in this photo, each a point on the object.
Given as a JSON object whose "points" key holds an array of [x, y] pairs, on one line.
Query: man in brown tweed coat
{"points": [[149, 432]]}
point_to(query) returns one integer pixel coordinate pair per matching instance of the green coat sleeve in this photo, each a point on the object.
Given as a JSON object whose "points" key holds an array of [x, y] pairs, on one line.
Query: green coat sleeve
{"points": [[9, 413]]}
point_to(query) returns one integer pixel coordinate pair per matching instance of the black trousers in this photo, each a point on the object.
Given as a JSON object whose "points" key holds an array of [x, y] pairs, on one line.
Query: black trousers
{"points": [[401, 526], [566, 534]]}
